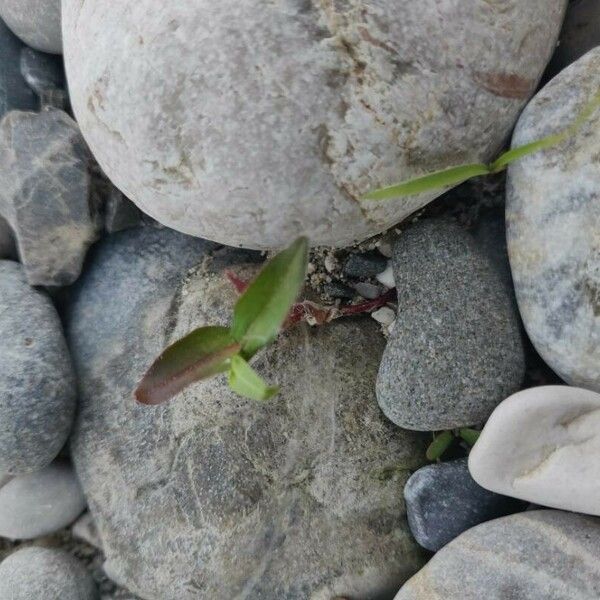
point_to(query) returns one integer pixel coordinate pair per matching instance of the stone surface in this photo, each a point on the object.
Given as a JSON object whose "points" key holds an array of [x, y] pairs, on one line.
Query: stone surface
{"points": [[553, 219], [14, 91], [37, 387], [443, 501], [36, 22], [45, 194], [250, 124], [215, 496], [119, 212], [537, 555], [580, 33], [338, 289], [45, 75], [7, 241], [40, 573], [365, 265], [40, 503], [541, 445], [456, 349]]}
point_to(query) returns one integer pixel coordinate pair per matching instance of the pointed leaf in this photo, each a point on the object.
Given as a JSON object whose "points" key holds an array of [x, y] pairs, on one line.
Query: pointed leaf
{"points": [[440, 444], [245, 381], [516, 153], [204, 352], [264, 306], [433, 181]]}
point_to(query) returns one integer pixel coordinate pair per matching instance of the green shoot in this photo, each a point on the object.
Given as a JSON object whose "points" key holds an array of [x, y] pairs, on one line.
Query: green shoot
{"points": [[455, 175], [443, 440], [258, 317]]}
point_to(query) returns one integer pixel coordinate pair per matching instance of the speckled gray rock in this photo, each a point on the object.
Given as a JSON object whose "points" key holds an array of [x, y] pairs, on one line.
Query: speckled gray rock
{"points": [[553, 219], [7, 241], [266, 121], [45, 194], [36, 22], [443, 501], [45, 75], [537, 555], [40, 503], [41, 573], [456, 350], [14, 92], [580, 33], [215, 496], [37, 387]]}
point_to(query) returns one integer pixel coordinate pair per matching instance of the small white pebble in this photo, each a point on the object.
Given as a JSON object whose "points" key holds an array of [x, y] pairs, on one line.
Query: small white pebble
{"points": [[391, 326], [387, 277], [385, 247], [384, 315], [330, 263]]}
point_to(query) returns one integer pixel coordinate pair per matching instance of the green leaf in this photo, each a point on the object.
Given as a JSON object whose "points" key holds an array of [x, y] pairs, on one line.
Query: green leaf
{"points": [[433, 181], [245, 381], [516, 153], [204, 352], [439, 445], [469, 435], [263, 308]]}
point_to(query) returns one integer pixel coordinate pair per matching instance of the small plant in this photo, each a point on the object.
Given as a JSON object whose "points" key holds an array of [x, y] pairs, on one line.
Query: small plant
{"points": [[443, 440], [456, 175], [258, 316]]}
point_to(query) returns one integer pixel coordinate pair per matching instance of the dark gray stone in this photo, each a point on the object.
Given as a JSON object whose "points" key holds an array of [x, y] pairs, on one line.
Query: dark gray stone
{"points": [[45, 194], [37, 387], [337, 289], [15, 94], [45, 574], [443, 501], [120, 213], [456, 350], [214, 496], [553, 220], [365, 265], [534, 555], [45, 75]]}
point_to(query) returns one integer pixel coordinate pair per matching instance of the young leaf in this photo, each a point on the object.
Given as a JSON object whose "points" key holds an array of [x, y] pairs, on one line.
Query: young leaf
{"points": [[245, 381], [440, 444], [433, 181], [469, 435], [200, 354], [264, 306]]}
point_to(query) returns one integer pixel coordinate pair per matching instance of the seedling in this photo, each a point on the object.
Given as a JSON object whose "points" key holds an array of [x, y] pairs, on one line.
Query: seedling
{"points": [[258, 316], [456, 175], [443, 440]]}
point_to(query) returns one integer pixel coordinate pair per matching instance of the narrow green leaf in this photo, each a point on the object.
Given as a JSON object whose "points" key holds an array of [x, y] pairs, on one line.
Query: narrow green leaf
{"points": [[204, 352], [263, 308], [516, 153], [245, 381], [433, 181], [469, 435], [439, 445]]}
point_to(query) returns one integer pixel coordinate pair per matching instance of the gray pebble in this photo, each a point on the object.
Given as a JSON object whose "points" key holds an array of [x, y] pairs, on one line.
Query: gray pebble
{"points": [[45, 194], [45, 574], [365, 265], [37, 385], [40, 503], [367, 290], [456, 350], [15, 94], [337, 289], [443, 501]]}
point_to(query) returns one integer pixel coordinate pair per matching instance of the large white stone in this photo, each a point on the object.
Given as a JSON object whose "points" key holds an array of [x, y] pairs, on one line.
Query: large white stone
{"points": [[251, 122], [543, 445], [553, 226], [36, 22]]}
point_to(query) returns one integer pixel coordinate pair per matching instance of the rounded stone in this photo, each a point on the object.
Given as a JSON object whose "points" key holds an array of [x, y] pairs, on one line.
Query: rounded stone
{"points": [[553, 219], [456, 350], [541, 445], [40, 503], [36, 573], [251, 123], [213, 495], [37, 385], [537, 555], [36, 22]]}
